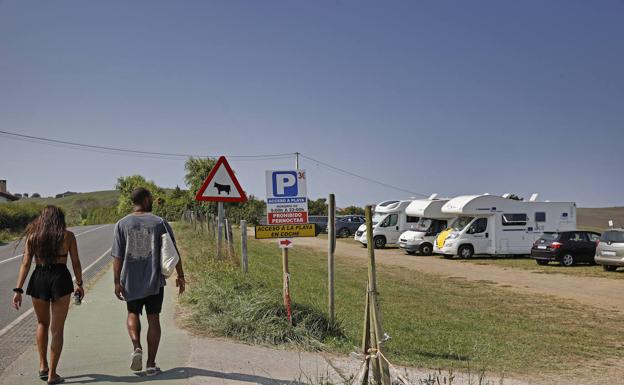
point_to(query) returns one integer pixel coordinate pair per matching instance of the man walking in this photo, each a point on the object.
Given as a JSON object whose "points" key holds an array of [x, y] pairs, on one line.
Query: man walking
{"points": [[137, 274]]}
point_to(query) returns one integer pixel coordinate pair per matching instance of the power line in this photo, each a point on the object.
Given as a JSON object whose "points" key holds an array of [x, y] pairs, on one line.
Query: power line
{"points": [[42, 140], [346, 172], [178, 156]]}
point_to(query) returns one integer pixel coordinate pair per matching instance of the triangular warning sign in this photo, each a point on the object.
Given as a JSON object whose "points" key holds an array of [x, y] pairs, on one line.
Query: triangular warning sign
{"points": [[221, 185]]}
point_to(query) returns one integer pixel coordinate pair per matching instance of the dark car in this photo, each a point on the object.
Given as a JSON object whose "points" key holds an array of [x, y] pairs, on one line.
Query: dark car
{"points": [[320, 221], [347, 225], [565, 247]]}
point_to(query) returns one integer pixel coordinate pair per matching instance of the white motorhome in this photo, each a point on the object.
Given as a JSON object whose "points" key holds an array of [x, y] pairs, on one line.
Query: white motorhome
{"points": [[422, 234], [389, 221], [496, 225]]}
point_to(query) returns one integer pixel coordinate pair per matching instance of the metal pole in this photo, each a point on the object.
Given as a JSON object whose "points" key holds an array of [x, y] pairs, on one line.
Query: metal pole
{"points": [[245, 261], [220, 214], [331, 248], [287, 303], [297, 161]]}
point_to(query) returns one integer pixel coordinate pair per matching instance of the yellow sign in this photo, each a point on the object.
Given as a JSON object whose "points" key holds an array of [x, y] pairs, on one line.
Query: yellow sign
{"points": [[285, 231]]}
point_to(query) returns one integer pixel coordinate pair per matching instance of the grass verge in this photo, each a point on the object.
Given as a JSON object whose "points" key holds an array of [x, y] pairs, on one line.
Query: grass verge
{"points": [[433, 321]]}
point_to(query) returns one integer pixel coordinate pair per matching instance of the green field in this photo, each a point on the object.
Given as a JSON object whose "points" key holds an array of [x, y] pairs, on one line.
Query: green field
{"points": [[80, 209], [433, 321]]}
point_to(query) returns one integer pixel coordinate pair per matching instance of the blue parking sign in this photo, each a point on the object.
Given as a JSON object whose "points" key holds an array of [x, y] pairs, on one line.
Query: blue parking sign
{"points": [[285, 184]]}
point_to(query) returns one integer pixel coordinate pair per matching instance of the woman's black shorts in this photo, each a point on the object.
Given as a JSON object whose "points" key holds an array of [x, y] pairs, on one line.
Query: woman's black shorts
{"points": [[50, 282]]}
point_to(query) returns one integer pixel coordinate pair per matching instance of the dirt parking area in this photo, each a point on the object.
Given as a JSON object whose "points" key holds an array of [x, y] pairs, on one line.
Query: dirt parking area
{"points": [[602, 293]]}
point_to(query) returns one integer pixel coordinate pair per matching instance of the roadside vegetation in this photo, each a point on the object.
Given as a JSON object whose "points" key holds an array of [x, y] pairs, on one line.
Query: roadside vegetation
{"points": [[433, 321]]}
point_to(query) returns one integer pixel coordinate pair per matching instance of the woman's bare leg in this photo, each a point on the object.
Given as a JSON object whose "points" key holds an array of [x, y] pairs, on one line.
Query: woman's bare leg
{"points": [[57, 325], [42, 310]]}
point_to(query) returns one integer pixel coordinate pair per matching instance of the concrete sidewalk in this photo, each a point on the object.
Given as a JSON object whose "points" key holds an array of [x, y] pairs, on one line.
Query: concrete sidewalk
{"points": [[97, 350]]}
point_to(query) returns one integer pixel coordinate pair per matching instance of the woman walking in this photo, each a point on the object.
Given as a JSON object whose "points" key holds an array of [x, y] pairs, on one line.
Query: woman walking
{"points": [[50, 285]]}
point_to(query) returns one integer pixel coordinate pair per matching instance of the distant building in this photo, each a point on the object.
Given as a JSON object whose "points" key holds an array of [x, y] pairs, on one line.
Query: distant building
{"points": [[4, 194]]}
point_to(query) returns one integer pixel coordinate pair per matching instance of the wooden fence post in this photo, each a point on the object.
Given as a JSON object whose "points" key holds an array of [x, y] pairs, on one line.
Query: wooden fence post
{"points": [[379, 366], [244, 260], [331, 248]]}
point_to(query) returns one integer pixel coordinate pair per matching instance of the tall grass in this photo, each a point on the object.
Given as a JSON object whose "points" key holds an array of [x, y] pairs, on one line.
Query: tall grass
{"points": [[433, 321], [227, 302]]}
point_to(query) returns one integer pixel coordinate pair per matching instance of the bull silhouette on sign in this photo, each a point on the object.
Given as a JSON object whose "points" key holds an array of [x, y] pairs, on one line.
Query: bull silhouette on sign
{"points": [[222, 187]]}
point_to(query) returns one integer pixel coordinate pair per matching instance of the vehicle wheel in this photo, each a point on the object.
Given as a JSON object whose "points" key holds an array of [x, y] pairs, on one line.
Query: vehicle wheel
{"points": [[465, 251], [567, 260], [344, 232], [609, 268], [541, 262], [379, 242], [426, 249]]}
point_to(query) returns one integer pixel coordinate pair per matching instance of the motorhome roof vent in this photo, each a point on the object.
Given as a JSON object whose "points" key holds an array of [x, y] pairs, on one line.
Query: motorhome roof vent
{"points": [[486, 193], [506, 195], [433, 196], [533, 197]]}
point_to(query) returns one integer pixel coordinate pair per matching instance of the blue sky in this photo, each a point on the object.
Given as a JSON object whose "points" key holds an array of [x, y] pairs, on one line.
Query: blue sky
{"points": [[449, 97]]}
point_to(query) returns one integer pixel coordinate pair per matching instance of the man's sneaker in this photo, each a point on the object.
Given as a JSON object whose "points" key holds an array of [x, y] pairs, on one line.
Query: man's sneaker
{"points": [[137, 360], [153, 371]]}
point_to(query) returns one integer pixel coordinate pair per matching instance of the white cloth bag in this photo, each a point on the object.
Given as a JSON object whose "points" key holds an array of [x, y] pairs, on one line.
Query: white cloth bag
{"points": [[169, 256]]}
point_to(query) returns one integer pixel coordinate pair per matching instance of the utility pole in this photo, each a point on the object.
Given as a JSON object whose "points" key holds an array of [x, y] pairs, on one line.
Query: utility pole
{"points": [[297, 160]]}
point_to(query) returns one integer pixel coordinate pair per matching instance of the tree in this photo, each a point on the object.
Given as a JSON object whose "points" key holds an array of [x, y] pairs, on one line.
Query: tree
{"points": [[36, 195], [515, 197], [197, 169], [317, 207], [127, 184], [351, 210]]}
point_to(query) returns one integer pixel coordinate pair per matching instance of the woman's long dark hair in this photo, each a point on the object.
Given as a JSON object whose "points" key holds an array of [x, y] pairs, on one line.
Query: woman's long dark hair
{"points": [[45, 235]]}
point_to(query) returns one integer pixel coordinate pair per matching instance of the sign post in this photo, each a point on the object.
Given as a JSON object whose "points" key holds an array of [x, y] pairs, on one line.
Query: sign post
{"points": [[221, 186], [287, 216]]}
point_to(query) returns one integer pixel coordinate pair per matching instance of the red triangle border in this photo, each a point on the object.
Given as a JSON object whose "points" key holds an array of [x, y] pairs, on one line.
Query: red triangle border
{"points": [[221, 161]]}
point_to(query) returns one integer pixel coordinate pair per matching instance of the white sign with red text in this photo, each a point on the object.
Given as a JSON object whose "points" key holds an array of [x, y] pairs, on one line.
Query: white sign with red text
{"points": [[287, 197]]}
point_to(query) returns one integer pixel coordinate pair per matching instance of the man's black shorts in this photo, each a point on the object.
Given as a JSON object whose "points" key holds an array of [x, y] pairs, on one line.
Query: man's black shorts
{"points": [[152, 303]]}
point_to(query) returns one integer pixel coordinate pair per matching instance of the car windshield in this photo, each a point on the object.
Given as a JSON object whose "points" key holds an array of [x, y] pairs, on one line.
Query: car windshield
{"points": [[378, 218], [461, 222], [612, 236], [423, 224], [549, 237]]}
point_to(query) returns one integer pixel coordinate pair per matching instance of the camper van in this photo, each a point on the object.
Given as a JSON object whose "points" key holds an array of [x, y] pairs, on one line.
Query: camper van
{"points": [[422, 234], [389, 222], [496, 225]]}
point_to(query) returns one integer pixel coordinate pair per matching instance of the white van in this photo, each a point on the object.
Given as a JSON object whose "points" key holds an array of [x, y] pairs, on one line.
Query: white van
{"points": [[389, 222], [422, 234], [497, 225]]}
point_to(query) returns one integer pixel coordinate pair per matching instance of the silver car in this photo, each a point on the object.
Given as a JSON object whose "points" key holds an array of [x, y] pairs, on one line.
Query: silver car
{"points": [[610, 250]]}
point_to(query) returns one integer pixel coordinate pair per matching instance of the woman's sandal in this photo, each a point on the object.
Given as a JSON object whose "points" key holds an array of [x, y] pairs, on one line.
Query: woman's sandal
{"points": [[57, 380], [43, 374]]}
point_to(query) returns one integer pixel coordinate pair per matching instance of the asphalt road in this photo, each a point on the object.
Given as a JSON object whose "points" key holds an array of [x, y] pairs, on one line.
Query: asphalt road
{"points": [[93, 242]]}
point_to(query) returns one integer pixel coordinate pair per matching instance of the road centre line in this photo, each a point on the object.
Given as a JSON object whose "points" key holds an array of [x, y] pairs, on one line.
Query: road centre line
{"points": [[77, 235]]}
